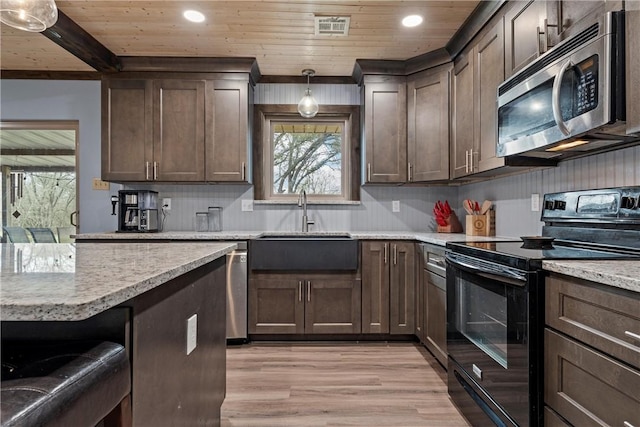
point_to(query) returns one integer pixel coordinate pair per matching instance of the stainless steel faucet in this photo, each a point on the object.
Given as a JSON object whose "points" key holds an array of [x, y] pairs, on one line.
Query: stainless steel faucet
{"points": [[302, 202]]}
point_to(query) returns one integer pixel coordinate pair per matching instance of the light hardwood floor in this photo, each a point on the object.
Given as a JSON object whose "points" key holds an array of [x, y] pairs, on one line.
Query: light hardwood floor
{"points": [[350, 384]]}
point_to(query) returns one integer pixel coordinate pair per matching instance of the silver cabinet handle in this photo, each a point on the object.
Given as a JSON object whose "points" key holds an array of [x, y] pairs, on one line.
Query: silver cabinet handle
{"points": [[538, 34], [466, 161], [632, 335], [627, 424], [243, 171], [308, 290], [395, 254], [555, 99], [146, 171], [385, 253], [155, 171], [368, 172], [471, 154], [299, 290], [545, 27], [409, 172]]}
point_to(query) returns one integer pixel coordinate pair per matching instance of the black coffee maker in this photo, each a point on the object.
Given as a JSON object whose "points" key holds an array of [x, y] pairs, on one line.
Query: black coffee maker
{"points": [[138, 211]]}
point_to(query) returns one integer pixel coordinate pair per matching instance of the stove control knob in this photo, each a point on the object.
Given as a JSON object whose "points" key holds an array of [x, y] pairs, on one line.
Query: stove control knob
{"points": [[559, 204], [549, 205], [629, 202]]}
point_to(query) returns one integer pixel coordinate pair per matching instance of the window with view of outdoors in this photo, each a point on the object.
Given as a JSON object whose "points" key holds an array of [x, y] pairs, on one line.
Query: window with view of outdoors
{"points": [[308, 155]]}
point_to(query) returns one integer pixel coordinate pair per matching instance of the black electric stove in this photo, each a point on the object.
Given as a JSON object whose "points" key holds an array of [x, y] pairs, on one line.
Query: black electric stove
{"points": [[495, 301], [581, 225]]}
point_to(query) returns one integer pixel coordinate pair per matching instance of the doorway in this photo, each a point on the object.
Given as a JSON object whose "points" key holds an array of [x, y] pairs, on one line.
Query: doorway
{"points": [[38, 161]]}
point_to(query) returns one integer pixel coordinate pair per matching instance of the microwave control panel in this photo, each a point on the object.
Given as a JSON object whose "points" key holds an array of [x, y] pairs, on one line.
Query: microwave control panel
{"points": [[586, 85]]}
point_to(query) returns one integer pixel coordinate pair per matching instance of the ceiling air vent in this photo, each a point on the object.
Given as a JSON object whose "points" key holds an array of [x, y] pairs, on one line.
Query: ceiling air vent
{"points": [[332, 25]]}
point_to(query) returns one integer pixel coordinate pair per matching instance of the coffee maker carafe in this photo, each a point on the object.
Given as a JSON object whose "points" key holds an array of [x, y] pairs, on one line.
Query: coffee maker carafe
{"points": [[138, 211]]}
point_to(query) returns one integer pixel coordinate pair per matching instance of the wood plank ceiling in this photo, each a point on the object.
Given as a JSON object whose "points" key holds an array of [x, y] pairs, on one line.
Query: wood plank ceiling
{"points": [[279, 34]]}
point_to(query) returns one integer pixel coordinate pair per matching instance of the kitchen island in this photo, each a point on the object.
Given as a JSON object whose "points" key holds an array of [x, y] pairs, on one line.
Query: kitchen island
{"points": [[143, 296]]}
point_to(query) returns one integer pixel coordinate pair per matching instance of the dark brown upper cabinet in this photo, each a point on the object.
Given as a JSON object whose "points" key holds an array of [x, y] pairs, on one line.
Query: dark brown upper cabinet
{"points": [[476, 77], [523, 43], [428, 125], [227, 152], [174, 129], [153, 130], [385, 129]]}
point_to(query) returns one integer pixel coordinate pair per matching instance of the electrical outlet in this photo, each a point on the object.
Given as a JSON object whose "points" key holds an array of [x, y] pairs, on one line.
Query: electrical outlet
{"points": [[395, 206], [192, 333], [535, 202], [99, 184], [247, 205], [166, 204]]}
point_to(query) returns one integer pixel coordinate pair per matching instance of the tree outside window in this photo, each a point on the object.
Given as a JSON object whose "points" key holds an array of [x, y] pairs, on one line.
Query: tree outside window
{"points": [[307, 156]]}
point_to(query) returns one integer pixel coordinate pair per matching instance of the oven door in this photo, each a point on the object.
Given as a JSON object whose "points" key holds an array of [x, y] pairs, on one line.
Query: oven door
{"points": [[488, 331]]}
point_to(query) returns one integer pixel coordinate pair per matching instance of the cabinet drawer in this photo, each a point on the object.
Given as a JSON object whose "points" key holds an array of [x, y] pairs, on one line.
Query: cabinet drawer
{"points": [[602, 318], [588, 388]]}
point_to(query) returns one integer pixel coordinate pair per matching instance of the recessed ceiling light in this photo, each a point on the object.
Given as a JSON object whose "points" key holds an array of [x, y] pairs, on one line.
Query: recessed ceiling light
{"points": [[412, 20], [193, 16]]}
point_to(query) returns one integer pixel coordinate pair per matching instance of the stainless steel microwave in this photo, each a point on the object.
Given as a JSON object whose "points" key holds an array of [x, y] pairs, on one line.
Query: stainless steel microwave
{"points": [[572, 99]]}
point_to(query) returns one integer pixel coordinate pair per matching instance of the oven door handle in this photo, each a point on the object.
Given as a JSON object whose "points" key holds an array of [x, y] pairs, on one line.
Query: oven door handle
{"points": [[490, 270]]}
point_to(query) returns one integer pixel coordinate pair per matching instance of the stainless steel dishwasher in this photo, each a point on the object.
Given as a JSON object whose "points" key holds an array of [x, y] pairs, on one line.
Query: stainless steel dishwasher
{"points": [[237, 294]]}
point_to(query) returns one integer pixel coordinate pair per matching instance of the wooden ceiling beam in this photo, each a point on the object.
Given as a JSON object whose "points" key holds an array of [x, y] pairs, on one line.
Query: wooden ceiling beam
{"points": [[49, 75], [73, 38], [37, 152]]}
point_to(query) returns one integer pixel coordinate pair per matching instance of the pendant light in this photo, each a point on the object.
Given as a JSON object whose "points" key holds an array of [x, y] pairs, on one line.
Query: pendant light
{"points": [[29, 15], [308, 106]]}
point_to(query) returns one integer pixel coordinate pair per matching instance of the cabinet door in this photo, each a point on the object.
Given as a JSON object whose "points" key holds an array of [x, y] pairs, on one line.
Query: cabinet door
{"points": [[333, 306], [563, 15], [461, 150], [586, 387], [227, 148], [127, 133], [179, 130], [375, 287], [522, 34], [402, 286], [385, 121], [436, 323], [489, 65], [276, 306], [428, 127]]}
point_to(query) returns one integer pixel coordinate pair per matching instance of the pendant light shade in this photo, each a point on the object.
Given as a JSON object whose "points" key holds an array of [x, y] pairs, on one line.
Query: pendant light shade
{"points": [[308, 106], [29, 15]]}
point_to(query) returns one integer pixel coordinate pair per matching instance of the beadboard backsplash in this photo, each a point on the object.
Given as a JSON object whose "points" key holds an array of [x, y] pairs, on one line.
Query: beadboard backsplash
{"points": [[512, 194]]}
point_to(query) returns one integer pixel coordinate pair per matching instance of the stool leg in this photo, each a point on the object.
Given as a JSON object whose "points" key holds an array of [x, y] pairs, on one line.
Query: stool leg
{"points": [[120, 416]]}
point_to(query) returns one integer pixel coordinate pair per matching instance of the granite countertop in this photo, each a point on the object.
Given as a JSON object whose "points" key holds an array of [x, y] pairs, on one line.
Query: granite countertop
{"points": [[434, 238], [52, 281], [620, 274]]}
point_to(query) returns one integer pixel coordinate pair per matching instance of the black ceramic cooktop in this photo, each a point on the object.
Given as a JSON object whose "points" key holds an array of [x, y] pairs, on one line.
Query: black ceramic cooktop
{"points": [[514, 254]]}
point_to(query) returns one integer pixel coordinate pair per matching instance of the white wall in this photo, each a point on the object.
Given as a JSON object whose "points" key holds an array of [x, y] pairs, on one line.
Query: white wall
{"points": [[67, 100]]}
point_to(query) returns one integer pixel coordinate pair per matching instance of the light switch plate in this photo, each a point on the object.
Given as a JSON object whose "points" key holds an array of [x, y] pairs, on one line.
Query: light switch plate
{"points": [[192, 333], [166, 203], [395, 206], [247, 205], [99, 184], [535, 202]]}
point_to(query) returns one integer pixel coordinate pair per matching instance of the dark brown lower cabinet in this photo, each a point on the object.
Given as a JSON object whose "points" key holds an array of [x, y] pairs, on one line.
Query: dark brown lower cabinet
{"points": [[589, 388], [304, 304], [592, 354], [388, 287]]}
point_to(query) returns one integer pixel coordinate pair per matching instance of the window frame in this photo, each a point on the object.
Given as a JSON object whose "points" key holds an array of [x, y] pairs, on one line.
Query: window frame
{"points": [[264, 114], [345, 161]]}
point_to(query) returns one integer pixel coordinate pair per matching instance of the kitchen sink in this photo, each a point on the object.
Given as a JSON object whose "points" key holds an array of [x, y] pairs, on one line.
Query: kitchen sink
{"points": [[303, 252]]}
